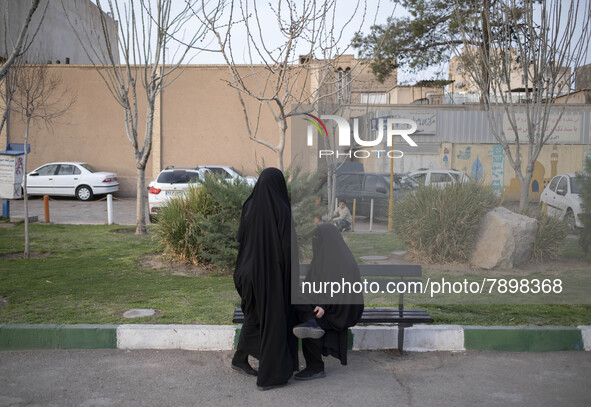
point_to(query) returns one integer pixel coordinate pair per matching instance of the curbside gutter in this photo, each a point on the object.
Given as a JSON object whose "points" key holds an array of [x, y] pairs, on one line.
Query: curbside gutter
{"points": [[420, 338]]}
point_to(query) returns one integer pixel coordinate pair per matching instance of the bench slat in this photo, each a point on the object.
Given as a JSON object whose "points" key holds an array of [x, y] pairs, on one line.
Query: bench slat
{"points": [[375, 315]]}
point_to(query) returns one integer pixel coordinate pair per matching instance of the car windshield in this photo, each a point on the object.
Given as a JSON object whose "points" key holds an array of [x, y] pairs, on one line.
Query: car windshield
{"points": [[575, 185], [178, 177], [88, 167], [407, 182], [236, 171]]}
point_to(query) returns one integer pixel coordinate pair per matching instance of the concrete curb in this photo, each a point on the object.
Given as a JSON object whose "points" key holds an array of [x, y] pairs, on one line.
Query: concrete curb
{"points": [[586, 334], [420, 338], [191, 337]]}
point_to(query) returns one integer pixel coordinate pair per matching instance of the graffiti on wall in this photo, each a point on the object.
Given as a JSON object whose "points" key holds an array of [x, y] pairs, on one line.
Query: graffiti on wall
{"points": [[464, 154], [498, 168], [565, 127], [540, 177]]}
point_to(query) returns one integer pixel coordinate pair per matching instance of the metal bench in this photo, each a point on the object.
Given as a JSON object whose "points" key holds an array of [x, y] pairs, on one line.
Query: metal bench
{"points": [[404, 276]]}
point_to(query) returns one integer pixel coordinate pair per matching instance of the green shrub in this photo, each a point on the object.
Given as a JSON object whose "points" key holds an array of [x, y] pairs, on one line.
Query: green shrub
{"points": [[549, 239], [438, 224], [200, 226], [304, 190], [585, 232]]}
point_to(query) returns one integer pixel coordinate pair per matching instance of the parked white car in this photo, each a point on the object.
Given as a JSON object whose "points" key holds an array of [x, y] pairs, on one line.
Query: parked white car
{"points": [[170, 183], [561, 198], [227, 173], [438, 176], [71, 179]]}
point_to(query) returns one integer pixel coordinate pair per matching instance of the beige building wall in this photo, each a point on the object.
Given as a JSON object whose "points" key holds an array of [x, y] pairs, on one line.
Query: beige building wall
{"points": [[92, 131], [203, 124], [582, 96], [350, 80], [198, 121]]}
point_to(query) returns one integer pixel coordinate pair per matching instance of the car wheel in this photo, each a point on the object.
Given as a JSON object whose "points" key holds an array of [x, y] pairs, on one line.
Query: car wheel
{"points": [[153, 219], [84, 193], [569, 219]]}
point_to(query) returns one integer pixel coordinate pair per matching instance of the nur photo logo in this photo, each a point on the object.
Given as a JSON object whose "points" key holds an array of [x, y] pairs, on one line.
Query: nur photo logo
{"points": [[394, 127]]}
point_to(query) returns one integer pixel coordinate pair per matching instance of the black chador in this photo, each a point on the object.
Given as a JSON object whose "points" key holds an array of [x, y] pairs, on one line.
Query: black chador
{"points": [[332, 261], [262, 279]]}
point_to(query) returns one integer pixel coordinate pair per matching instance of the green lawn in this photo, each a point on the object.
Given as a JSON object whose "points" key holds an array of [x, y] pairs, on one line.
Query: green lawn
{"points": [[92, 274]]}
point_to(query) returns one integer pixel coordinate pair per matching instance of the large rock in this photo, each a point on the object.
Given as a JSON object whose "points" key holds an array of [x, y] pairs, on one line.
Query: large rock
{"points": [[504, 239]]}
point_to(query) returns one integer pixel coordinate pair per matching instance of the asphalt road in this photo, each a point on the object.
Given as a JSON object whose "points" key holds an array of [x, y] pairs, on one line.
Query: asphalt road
{"points": [[189, 378], [72, 211]]}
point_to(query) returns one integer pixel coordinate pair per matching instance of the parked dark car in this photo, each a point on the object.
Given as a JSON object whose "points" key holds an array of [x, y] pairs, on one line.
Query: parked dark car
{"points": [[365, 186]]}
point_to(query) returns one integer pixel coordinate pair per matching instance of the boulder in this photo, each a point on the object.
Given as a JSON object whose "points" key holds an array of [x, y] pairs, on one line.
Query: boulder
{"points": [[504, 239]]}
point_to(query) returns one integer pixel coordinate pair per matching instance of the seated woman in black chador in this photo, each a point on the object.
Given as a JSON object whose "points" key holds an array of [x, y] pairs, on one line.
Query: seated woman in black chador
{"points": [[325, 329], [262, 279]]}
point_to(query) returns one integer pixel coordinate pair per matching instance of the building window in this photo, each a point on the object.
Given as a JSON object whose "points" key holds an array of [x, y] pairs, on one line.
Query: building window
{"points": [[344, 85], [374, 98], [347, 86], [340, 85]]}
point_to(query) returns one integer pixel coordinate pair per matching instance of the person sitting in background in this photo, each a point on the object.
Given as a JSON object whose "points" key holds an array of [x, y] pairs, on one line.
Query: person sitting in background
{"points": [[342, 217], [324, 328]]}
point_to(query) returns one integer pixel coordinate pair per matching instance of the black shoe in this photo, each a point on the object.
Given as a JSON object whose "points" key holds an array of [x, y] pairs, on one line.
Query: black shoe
{"points": [[309, 375], [270, 387], [245, 368], [309, 329]]}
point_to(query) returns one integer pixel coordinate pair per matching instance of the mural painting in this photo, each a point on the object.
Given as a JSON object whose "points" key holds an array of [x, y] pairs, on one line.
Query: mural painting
{"points": [[540, 178]]}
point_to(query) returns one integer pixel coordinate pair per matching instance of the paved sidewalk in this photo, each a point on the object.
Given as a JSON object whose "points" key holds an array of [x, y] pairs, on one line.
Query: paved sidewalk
{"points": [[189, 378]]}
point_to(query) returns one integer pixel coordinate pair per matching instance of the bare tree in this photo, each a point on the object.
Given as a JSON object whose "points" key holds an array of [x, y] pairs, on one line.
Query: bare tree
{"points": [[534, 48], [39, 97], [283, 71], [22, 40], [20, 46], [147, 31]]}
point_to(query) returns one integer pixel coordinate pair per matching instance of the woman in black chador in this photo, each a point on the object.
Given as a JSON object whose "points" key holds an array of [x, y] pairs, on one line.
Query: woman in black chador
{"points": [[262, 279], [328, 318]]}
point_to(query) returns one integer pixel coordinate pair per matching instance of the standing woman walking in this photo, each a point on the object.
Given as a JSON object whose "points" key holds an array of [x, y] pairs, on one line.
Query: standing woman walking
{"points": [[262, 277]]}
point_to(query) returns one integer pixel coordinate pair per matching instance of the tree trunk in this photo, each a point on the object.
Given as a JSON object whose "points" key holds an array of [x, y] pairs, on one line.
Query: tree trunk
{"points": [[524, 192], [27, 253], [485, 51], [140, 228]]}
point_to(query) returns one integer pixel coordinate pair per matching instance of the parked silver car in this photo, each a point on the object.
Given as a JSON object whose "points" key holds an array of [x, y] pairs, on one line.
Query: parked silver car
{"points": [[227, 173], [561, 198], [438, 176], [171, 182], [71, 179]]}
